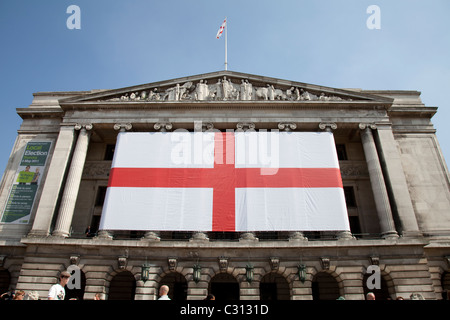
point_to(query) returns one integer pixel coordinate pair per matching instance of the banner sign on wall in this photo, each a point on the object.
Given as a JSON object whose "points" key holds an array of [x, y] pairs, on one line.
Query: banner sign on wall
{"points": [[217, 181], [26, 182]]}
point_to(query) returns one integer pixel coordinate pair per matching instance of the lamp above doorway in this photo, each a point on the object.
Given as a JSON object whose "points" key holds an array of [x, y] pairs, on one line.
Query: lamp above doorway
{"points": [[145, 272]]}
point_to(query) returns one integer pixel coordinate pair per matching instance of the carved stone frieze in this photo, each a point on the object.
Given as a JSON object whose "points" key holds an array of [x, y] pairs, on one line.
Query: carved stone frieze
{"points": [[96, 169], [225, 89], [354, 169]]}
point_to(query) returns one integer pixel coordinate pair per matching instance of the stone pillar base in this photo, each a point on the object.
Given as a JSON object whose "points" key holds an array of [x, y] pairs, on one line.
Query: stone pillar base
{"points": [[248, 236], [104, 234], [151, 236], [199, 236], [297, 236], [345, 235]]}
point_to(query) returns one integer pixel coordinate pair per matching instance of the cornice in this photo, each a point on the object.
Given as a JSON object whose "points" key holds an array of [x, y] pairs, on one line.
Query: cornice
{"points": [[113, 105]]}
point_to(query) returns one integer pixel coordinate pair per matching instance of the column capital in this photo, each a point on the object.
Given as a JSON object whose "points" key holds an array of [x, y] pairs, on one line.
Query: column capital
{"points": [[329, 126], [203, 126], [363, 126], [241, 125], [86, 126], [123, 126], [287, 126], [163, 126]]}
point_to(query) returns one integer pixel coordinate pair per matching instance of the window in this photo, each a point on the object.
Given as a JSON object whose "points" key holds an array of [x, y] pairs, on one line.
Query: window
{"points": [[341, 152], [101, 194], [109, 153], [350, 199]]}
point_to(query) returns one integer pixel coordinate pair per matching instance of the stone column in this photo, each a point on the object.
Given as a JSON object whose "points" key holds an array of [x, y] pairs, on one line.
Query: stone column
{"points": [[244, 127], [69, 198], [380, 193], [161, 127], [396, 180], [108, 234], [329, 127], [53, 182], [288, 127]]}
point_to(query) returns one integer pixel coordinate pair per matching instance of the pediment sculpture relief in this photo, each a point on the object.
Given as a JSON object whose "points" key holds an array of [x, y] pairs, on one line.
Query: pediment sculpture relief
{"points": [[224, 89]]}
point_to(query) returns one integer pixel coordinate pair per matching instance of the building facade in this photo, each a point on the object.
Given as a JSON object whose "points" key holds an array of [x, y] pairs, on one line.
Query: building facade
{"points": [[395, 179]]}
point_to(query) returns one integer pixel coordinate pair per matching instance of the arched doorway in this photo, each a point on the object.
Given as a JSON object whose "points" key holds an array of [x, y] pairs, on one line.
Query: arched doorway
{"points": [[380, 294], [177, 286], [75, 293], [274, 287], [224, 287], [325, 287], [5, 281], [122, 286]]}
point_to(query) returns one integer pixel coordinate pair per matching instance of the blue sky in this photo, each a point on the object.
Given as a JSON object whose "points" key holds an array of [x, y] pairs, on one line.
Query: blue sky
{"points": [[124, 43]]}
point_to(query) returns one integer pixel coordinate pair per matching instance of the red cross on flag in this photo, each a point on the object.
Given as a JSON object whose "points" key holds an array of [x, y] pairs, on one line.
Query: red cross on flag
{"points": [[221, 28], [217, 181]]}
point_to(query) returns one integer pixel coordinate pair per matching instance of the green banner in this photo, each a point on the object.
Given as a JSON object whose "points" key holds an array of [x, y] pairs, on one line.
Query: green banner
{"points": [[25, 185]]}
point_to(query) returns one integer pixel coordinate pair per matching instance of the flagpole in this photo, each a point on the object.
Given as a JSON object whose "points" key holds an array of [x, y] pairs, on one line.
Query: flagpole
{"points": [[226, 27]]}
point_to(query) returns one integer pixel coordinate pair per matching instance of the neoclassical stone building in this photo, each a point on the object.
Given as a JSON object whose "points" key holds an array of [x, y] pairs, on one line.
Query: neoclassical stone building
{"points": [[395, 179]]}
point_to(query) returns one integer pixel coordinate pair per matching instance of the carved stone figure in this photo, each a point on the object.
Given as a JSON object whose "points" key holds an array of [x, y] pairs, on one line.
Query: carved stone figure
{"points": [[224, 89], [227, 89], [218, 90], [246, 90], [201, 91]]}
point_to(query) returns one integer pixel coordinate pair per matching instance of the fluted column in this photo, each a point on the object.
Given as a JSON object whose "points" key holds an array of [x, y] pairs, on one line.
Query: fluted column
{"points": [[108, 234], [329, 127], [53, 183], [243, 127], [380, 193], [69, 198], [161, 127], [288, 127]]}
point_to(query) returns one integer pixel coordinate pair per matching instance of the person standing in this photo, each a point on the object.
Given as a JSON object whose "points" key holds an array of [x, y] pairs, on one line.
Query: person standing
{"points": [[57, 291], [163, 291], [370, 296]]}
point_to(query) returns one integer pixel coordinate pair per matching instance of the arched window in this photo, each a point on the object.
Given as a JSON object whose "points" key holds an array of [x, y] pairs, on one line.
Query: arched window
{"points": [[325, 287], [177, 286], [224, 287], [122, 286], [274, 287]]}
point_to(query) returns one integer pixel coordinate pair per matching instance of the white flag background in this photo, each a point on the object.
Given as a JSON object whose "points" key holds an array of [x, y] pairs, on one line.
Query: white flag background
{"points": [[252, 181]]}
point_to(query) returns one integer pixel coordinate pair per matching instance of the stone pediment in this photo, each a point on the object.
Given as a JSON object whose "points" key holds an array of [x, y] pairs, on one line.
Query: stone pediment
{"points": [[225, 86]]}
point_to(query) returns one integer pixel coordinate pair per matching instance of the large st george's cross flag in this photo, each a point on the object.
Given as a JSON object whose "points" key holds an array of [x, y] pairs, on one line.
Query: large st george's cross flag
{"points": [[217, 181]]}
